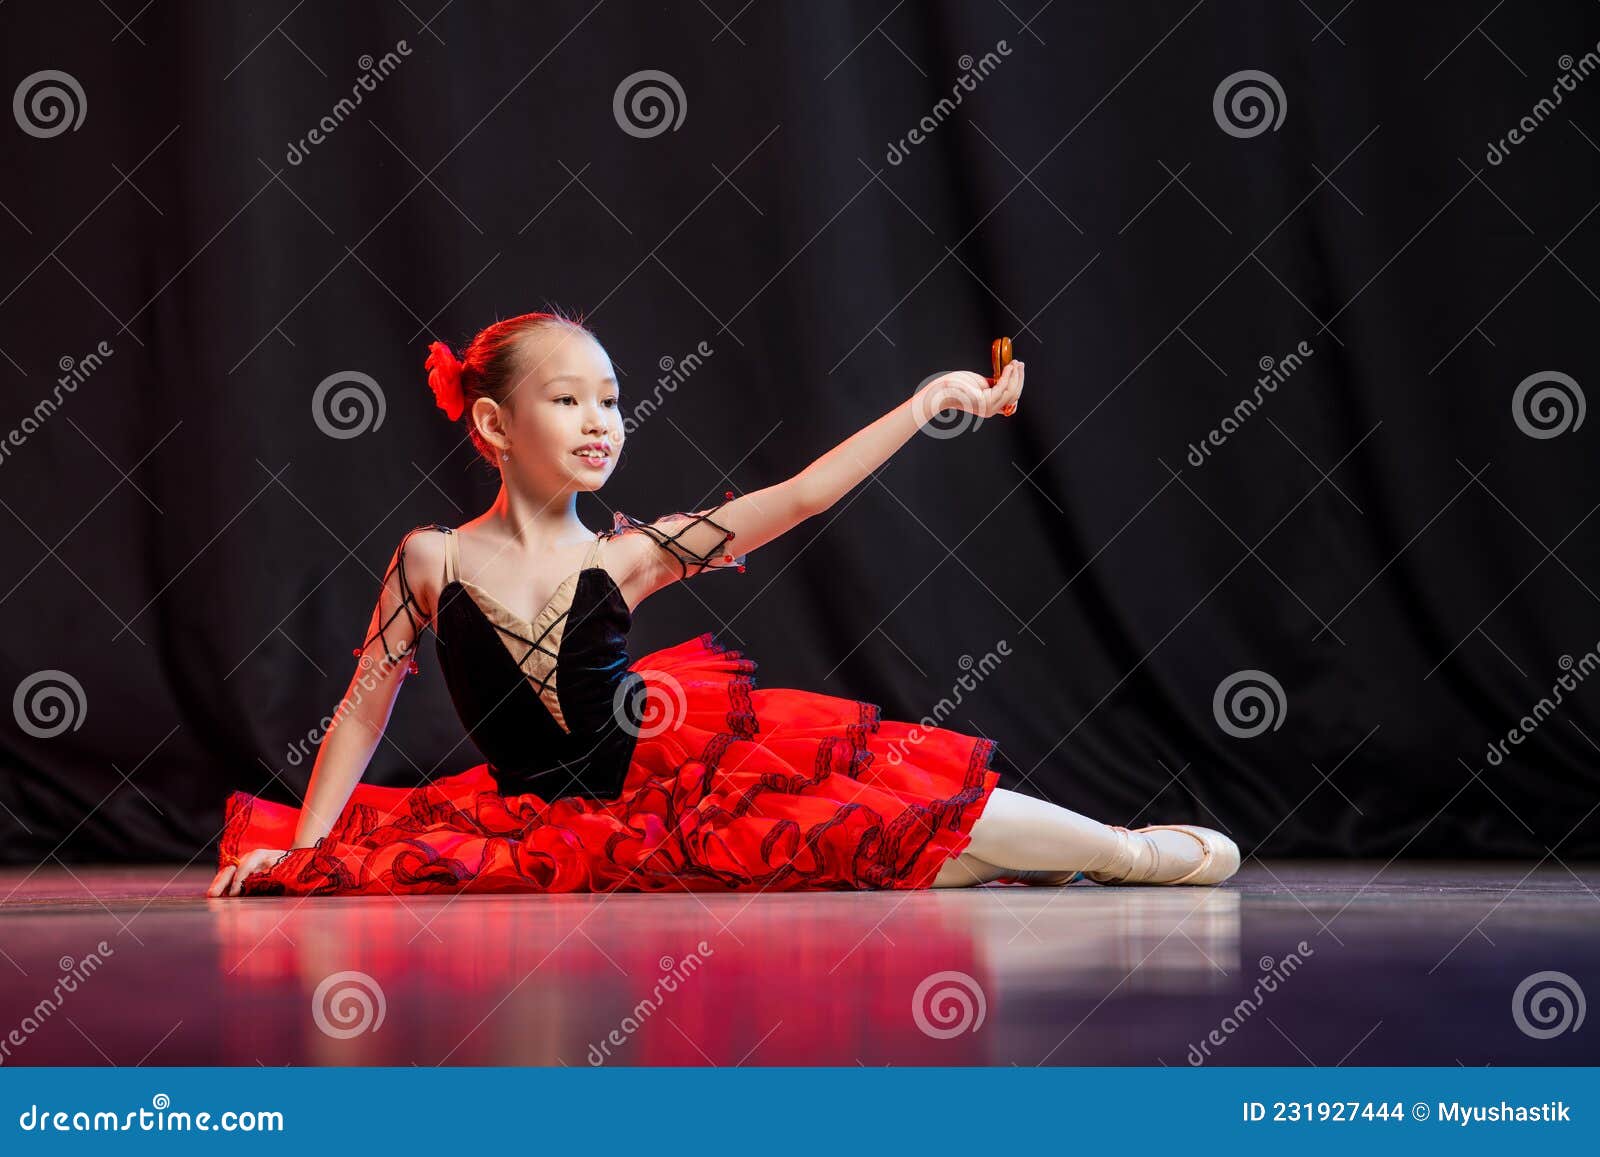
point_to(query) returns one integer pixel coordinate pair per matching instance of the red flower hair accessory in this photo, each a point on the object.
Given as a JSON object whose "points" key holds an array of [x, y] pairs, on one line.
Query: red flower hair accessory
{"points": [[444, 376]]}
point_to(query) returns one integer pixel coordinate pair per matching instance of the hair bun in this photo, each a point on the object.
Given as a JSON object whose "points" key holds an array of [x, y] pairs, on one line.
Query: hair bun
{"points": [[444, 377]]}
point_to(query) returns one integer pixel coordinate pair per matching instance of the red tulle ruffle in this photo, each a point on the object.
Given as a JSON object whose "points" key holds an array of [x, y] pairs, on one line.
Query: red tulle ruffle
{"points": [[731, 788]]}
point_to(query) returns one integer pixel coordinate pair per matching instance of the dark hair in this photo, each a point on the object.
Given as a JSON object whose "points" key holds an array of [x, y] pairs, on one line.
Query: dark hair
{"points": [[487, 368]]}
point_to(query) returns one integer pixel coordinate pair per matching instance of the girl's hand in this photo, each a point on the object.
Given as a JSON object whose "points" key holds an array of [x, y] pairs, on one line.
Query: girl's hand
{"points": [[249, 864], [975, 394]]}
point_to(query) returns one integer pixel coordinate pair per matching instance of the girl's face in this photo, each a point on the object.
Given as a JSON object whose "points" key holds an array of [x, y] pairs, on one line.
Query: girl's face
{"points": [[564, 417]]}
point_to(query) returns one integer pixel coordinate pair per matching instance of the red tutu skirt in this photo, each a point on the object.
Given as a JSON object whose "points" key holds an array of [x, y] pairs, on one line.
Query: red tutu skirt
{"points": [[743, 789]]}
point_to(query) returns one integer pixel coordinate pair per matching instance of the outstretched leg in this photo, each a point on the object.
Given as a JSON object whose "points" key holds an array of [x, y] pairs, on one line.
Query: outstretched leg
{"points": [[966, 871], [1018, 835]]}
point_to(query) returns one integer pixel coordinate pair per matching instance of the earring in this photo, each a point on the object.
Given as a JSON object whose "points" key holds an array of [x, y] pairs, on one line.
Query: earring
{"points": [[505, 455]]}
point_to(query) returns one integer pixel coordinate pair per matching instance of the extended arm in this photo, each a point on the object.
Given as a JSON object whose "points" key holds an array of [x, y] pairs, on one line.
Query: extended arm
{"points": [[752, 520]]}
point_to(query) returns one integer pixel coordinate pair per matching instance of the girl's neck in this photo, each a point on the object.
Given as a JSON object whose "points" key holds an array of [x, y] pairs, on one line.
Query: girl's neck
{"points": [[532, 521]]}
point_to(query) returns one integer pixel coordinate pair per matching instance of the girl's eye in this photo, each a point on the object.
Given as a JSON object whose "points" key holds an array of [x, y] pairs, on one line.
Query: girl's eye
{"points": [[564, 398], [612, 402]]}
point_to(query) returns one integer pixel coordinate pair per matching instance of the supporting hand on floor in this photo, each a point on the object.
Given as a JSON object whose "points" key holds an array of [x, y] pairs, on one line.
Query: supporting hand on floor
{"points": [[230, 879]]}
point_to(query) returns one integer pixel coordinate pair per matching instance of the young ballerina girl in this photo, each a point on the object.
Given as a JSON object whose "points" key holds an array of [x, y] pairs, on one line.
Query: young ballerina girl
{"points": [[671, 771]]}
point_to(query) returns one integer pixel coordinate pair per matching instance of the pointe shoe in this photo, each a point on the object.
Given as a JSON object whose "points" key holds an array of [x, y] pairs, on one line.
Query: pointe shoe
{"points": [[1140, 862]]}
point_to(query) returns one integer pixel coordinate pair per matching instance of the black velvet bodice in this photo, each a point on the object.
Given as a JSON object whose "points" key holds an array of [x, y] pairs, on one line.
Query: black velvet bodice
{"points": [[504, 714], [550, 702]]}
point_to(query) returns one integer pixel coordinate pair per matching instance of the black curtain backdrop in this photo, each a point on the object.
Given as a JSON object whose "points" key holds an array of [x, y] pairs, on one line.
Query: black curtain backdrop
{"points": [[1395, 538]]}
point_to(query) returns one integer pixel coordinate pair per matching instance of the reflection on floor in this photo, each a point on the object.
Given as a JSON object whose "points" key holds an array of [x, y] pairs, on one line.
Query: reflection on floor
{"points": [[1290, 963]]}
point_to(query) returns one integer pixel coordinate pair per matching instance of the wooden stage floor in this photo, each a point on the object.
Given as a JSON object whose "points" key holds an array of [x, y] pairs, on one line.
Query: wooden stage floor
{"points": [[1292, 962]]}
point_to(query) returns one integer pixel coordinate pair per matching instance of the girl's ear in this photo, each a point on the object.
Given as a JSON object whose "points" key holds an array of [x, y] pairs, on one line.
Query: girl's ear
{"points": [[489, 421]]}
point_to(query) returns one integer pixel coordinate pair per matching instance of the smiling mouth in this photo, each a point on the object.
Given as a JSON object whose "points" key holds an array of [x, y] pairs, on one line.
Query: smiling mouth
{"points": [[596, 455]]}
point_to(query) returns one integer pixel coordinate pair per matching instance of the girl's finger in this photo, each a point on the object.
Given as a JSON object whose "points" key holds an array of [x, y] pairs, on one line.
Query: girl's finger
{"points": [[219, 884], [246, 868], [1013, 390]]}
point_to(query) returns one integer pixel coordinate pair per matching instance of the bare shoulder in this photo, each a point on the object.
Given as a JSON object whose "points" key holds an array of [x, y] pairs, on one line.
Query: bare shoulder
{"points": [[634, 561], [419, 564]]}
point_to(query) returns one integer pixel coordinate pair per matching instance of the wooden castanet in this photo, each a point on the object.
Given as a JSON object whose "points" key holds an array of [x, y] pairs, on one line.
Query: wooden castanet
{"points": [[1000, 355]]}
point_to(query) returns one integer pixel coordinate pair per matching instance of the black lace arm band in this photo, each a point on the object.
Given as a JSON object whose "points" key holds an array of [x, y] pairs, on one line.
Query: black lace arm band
{"points": [[669, 537], [408, 606]]}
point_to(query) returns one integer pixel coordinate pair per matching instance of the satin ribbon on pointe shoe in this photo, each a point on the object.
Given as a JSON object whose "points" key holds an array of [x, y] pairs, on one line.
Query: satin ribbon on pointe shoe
{"points": [[1139, 860]]}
